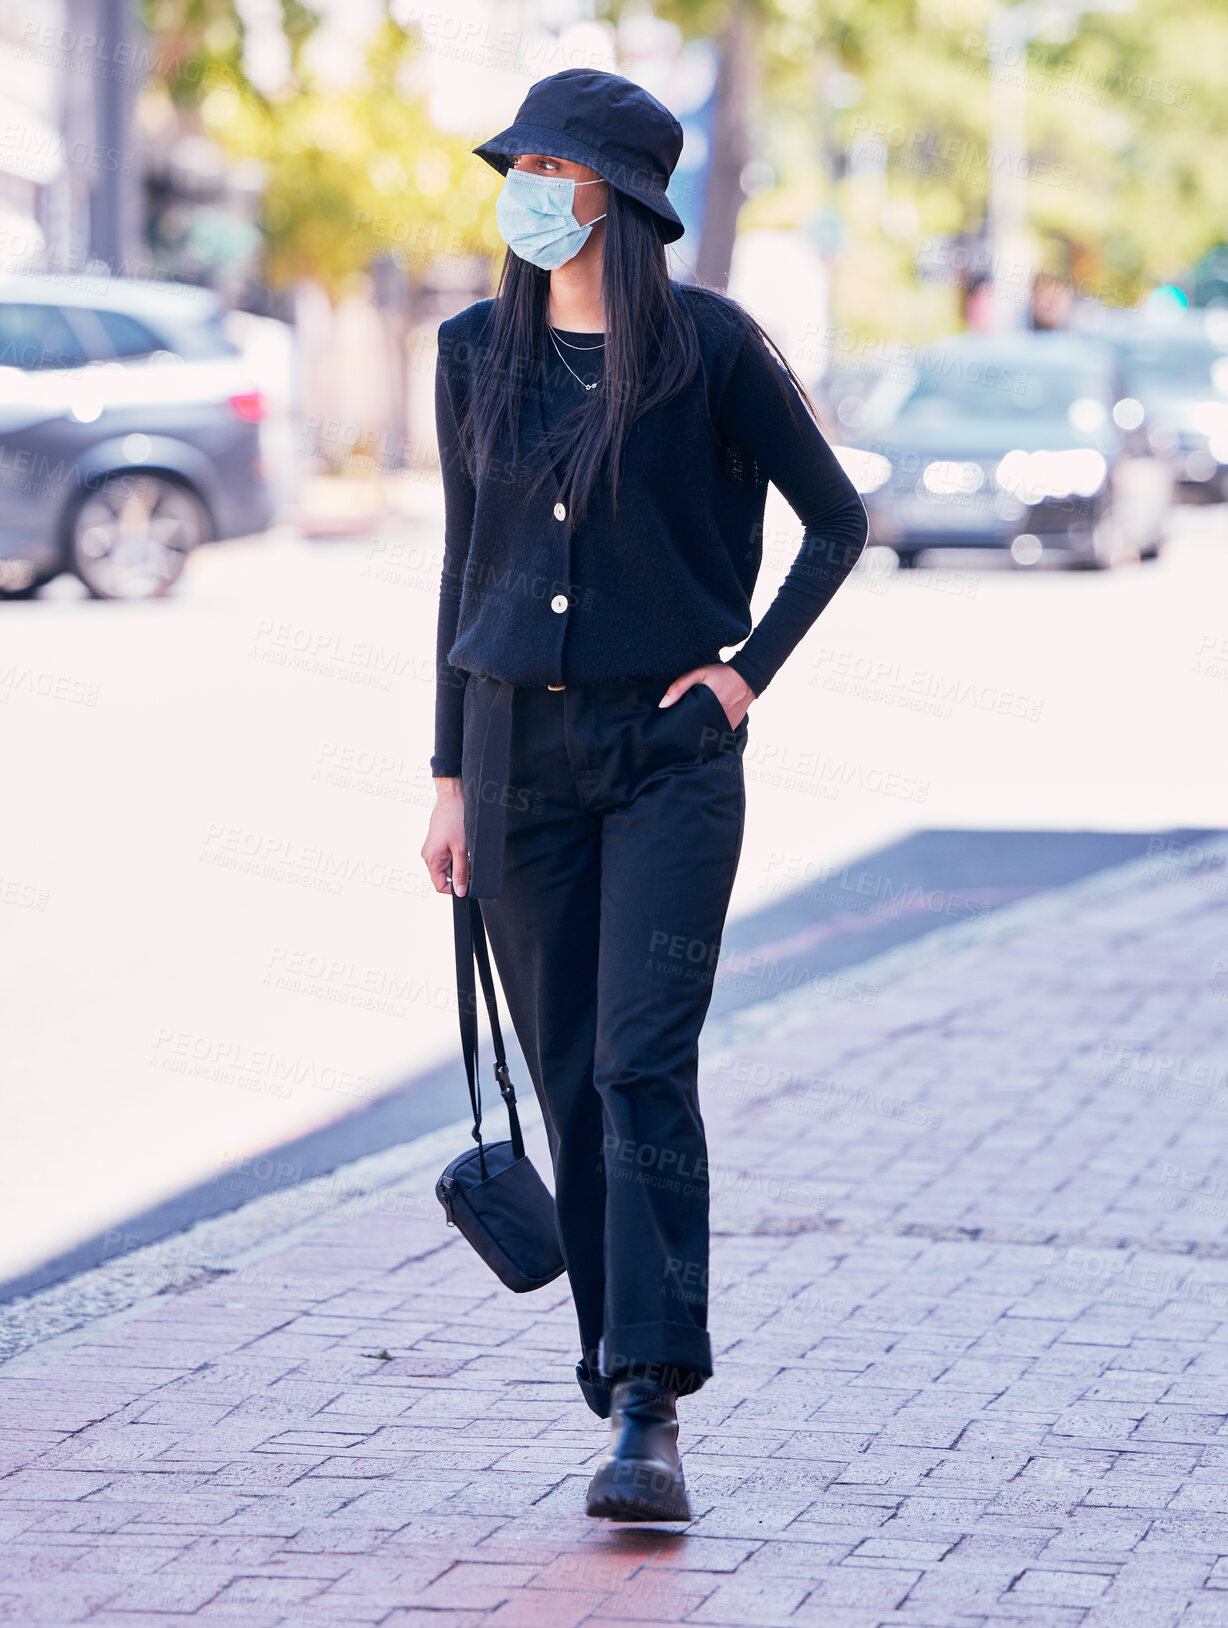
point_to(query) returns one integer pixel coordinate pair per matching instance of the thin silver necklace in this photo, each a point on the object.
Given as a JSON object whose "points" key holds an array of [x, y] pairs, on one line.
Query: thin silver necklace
{"points": [[570, 346], [569, 367]]}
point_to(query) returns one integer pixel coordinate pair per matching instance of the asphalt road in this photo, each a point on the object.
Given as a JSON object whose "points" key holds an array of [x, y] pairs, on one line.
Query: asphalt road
{"points": [[216, 938]]}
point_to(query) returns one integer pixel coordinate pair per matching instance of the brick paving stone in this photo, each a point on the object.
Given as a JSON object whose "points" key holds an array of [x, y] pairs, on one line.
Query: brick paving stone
{"points": [[759, 1600], [54, 1485], [55, 1600], [28, 1564], [878, 1586], [661, 1596], [1075, 1588], [601, 1620], [424, 1617], [535, 1608], [163, 1592], [591, 1568], [1217, 1577], [246, 1614], [702, 1554], [262, 1591], [887, 1547], [1135, 1616], [124, 1617], [972, 1359], [1203, 1613], [121, 1441], [466, 1592], [449, 1533], [50, 1520]]}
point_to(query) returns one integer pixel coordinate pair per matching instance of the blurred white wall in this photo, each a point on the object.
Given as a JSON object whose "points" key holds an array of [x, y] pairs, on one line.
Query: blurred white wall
{"points": [[781, 279]]}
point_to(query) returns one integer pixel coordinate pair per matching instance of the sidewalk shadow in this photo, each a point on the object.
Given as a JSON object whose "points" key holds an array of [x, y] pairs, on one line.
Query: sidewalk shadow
{"points": [[922, 884]]}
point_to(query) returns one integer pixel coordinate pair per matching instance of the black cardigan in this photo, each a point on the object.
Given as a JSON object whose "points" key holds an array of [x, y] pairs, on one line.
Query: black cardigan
{"points": [[665, 584]]}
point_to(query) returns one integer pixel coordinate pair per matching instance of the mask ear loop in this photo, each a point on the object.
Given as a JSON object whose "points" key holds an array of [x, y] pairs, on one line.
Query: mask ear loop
{"points": [[594, 182], [603, 213]]}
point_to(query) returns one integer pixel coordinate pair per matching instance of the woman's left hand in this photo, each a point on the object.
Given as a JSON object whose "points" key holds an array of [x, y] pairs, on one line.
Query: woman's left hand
{"points": [[731, 689]]}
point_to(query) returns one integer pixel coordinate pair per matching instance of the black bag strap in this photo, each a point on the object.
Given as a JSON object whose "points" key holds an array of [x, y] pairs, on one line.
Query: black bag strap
{"points": [[469, 934]]}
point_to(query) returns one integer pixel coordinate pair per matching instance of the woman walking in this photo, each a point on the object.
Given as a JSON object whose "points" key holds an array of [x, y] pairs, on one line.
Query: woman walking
{"points": [[607, 437]]}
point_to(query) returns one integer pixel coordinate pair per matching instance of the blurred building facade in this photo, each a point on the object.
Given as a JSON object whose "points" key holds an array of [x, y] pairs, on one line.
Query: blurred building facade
{"points": [[70, 171]]}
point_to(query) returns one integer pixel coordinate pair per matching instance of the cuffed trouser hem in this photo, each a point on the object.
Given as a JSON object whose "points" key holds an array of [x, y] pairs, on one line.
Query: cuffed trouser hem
{"points": [[675, 1356], [596, 1391]]}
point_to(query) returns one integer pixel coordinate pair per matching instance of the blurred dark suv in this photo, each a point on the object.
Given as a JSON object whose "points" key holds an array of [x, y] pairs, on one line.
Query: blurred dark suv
{"points": [[1179, 380], [1018, 443], [129, 434]]}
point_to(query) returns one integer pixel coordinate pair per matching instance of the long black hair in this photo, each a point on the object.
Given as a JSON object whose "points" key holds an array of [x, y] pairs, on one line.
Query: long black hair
{"points": [[651, 354]]}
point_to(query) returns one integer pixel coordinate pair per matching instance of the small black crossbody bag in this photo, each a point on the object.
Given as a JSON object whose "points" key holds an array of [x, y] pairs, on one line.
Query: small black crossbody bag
{"points": [[492, 1194]]}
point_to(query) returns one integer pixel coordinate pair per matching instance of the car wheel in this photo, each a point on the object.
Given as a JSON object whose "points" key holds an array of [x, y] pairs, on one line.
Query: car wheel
{"points": [[1087, 560], [907, 559], [132, 535], [1105, 548], [20, 580]]}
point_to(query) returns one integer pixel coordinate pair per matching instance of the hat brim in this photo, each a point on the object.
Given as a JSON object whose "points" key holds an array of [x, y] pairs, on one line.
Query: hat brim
{"points": [[534, 138]]}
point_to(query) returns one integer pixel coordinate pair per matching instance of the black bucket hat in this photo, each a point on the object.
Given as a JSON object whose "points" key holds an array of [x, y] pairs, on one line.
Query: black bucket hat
{"points": [[606, 122]]}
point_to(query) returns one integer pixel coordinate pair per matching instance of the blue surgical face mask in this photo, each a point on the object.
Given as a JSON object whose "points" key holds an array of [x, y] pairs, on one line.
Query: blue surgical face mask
{"points": [[535, 219]]}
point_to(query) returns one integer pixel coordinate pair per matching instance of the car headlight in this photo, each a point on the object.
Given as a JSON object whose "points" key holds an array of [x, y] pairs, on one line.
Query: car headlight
{"points": [[952, 479], [867, 470], [1034, 476], [1211, 419], [1128, 413]]}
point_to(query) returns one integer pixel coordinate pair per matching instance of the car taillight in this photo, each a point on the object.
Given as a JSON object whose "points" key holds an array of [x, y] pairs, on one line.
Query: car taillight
{"points": [[250, 404]]}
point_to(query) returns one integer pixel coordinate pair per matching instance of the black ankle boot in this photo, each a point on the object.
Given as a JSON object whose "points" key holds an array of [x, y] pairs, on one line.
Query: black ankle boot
{"points": [[640, 1479]]}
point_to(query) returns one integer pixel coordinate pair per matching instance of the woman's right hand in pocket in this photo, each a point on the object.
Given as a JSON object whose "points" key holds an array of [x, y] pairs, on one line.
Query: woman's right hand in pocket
{"points": [[445, 851]]}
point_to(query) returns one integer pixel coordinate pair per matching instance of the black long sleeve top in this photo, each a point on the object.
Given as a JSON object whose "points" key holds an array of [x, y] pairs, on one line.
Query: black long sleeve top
{"points": [[665, 584]]}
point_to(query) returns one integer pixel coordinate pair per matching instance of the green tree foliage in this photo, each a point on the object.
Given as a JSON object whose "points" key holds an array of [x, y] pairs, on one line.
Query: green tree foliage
{"points": [[1134, 104], [1127, 127], [349, 174], [1126, 115]]}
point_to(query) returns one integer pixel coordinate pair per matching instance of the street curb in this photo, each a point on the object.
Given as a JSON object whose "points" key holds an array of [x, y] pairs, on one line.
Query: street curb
{"points": [[71, 1312], [67, 1313]]}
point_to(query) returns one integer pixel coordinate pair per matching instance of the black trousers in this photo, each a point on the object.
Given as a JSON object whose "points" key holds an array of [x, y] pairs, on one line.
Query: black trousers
{"points": [[621, 831]]}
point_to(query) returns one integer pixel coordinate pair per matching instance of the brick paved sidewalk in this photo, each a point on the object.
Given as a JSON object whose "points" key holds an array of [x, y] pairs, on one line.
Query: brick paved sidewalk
{"points": [[970, 1289]]}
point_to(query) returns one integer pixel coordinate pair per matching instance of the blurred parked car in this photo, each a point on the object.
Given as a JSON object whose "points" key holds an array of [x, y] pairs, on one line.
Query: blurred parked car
{"points": [[1177, 380], [129, 434], [843, 391], [1009, 442]]}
